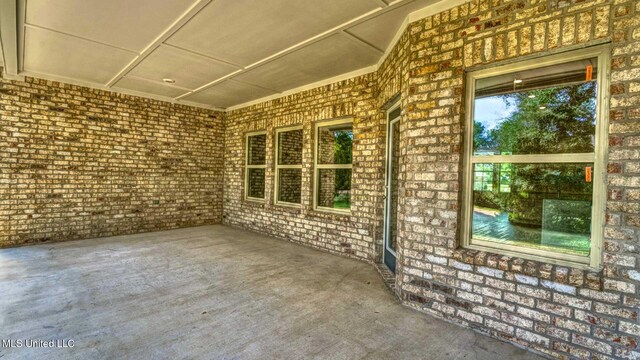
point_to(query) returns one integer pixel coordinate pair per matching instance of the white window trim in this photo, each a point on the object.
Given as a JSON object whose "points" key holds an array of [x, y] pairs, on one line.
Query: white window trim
{"points": [[247, 166], [594, 260], [317, 167], [276, 191]]}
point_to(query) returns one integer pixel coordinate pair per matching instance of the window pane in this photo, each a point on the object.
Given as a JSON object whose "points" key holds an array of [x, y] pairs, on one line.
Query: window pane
{"points": [[255, 183], [256, 149], [334, 188], [290, 182], [549, 110], [544, 206], [290, 147], [335, 144]]}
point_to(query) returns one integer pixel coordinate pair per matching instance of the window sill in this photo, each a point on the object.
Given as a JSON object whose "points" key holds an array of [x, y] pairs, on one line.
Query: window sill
{"points": [[294, 208], [286, 204], [254, 202], [333, 215], [573, 276], [542, 256], [326, 210]]}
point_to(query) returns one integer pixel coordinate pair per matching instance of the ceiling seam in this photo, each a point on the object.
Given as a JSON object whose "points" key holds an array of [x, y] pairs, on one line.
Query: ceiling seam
{"points": [[224, 62], [409, 18], [159, 83], [293, 48], [38, 27], [361, 40], [254, 85], [160, 39], [198, 6], [210, 84], [335, 30]]}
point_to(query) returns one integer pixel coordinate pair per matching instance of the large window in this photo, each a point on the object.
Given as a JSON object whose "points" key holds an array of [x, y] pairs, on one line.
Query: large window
{"points": [[256, 147], [334, 143], [289, 166], [536, 140]]}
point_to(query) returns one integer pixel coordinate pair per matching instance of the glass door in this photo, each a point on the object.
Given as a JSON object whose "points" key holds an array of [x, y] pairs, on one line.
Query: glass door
{"points": [[392, 174]]}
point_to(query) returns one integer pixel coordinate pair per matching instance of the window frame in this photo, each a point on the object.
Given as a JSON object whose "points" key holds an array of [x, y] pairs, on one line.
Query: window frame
{"points": [[598, 158], [317, 167], [247, 166], [277, 166], [388, 143]]}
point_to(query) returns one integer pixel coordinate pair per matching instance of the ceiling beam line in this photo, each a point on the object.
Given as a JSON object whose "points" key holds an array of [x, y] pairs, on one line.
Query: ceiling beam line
{"points": [[382, 3], [9, 34], [255, 85], [175, 26], [411, 17], [358, 39], [214, 82], [338, 29], [38, 27], [208, 57], [284, 52]]}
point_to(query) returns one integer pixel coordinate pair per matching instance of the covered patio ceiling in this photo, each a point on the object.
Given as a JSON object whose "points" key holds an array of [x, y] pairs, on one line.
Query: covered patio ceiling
{"points": [[208, 53]]}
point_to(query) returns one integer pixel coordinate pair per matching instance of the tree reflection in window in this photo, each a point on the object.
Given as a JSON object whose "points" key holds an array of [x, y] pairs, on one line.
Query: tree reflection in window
{"points": [[536, 114]]}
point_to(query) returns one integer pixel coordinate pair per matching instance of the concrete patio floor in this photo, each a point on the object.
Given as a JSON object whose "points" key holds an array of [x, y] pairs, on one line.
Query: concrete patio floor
{"points": [[215, 292]]}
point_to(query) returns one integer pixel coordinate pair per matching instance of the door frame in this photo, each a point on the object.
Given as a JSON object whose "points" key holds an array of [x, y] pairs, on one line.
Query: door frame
{"points": [[387, 183]]}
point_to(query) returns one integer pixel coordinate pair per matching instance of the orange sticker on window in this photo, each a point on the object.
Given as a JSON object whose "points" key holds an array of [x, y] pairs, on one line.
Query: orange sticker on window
{"points": [[589, 72], [587, 174]]}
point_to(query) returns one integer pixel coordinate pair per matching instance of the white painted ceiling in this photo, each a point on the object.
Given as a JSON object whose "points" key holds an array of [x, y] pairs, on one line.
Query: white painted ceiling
{"points": [[221, 53]]}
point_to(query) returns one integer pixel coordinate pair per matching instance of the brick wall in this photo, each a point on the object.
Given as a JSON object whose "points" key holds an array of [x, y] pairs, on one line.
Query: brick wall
{"points": [[349, 235], [557, 311], [79, 163]]}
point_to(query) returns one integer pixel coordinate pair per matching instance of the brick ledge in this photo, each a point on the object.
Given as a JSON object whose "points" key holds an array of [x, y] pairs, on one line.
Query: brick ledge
{"points": [[556, 273], [388, 277]]}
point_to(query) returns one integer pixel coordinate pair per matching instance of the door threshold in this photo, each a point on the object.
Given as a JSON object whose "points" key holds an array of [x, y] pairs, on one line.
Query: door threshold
{"points": [[388, 276]]}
